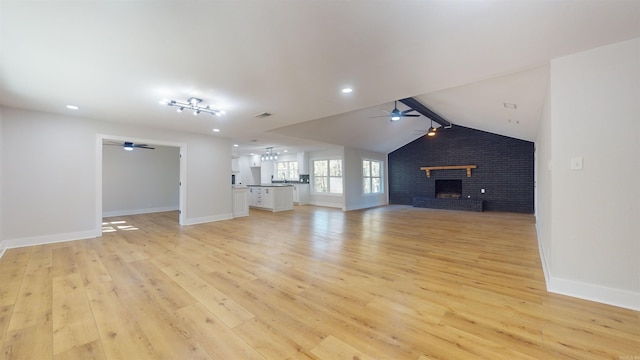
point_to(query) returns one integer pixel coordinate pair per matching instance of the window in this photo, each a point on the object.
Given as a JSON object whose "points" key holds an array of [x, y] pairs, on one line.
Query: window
{"points": [[287, 170], [372, 176], [327, 176]]}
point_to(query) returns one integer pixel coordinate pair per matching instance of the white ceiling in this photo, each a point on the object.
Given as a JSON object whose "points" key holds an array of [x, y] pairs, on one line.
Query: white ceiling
{"points": [[463, 59]]}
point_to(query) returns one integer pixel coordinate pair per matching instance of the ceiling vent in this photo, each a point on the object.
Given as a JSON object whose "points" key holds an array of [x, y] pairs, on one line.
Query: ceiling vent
{"points": [[262, 115]]}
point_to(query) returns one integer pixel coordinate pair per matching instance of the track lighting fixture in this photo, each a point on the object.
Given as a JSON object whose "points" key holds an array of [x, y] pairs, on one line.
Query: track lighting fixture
{"points": [[193, 104], [269, 155]]}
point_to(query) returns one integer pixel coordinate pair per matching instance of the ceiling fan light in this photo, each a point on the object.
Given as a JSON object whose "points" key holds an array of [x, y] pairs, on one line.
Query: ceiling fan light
{"points": [[395, 117], [432, 132]]}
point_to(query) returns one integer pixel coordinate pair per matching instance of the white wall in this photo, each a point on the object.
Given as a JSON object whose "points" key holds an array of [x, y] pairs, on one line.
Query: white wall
{"points": [[354, 192], [140, 181], [594, 241], [2, 243], [50, 182], [543, 188]]}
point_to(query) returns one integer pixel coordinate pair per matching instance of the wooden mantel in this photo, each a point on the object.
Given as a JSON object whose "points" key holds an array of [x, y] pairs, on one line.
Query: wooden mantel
{"points": [[429, 168]]}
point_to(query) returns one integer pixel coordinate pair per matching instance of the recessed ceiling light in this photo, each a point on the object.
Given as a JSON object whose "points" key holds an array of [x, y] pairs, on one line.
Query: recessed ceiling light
{"points": [[216, 130], [235, 145], [347, 90], [285, 150], [72, 107], [510, 106]]}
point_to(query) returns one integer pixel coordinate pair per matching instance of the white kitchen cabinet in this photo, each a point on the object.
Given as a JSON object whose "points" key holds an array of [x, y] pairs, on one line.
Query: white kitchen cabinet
{"points": [[255, 161], [282, 198], [296, 196], [303, 194], [274, 198], [267, 198], [240, 201]]}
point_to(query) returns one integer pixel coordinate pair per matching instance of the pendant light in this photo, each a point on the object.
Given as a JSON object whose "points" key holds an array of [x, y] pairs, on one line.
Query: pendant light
{"points": [[432, 130]]}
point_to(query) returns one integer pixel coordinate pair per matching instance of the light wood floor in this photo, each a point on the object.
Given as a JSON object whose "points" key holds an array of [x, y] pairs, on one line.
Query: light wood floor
{"points": [[392, 282]]}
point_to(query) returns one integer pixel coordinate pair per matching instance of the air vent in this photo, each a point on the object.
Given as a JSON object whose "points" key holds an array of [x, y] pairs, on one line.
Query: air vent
{"points": [[262, 115]]}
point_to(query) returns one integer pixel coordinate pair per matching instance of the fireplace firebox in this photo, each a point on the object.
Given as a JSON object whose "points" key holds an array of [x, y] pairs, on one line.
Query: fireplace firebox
{"points": [[448, 189]]}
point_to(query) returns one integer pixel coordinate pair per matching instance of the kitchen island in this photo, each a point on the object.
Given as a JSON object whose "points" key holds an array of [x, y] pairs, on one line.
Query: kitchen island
{"points": [[274, 197]]}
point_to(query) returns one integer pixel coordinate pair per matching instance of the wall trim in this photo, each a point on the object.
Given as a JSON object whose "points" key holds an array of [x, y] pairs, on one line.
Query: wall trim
{"points": [[597, 293], [206, 219], [546, 270], [326, 204], [138, 211], [3, 248], [591, 292], [49, 239]]}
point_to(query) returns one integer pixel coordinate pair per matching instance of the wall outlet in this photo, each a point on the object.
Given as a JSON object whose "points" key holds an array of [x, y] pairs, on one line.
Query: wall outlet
{"points": [[576, 163]]}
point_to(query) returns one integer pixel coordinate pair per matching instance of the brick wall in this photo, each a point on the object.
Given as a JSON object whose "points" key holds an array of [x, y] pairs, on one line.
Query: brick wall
{"points": [[505, 168]]}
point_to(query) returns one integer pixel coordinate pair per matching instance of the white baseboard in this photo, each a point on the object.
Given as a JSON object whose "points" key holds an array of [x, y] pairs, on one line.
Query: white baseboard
{"points": [[597, 293], [325, 204], [543, 258], [138, 211], [586, 291], [47, 239], [3, 248], [206, 219]]}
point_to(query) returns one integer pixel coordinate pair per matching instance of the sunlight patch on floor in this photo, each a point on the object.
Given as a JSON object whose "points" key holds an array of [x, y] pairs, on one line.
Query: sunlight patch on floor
{"points": [[120, 225]]}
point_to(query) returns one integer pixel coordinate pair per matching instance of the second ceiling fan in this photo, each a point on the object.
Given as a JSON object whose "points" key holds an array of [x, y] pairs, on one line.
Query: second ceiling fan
{"points": [[395, 114]]}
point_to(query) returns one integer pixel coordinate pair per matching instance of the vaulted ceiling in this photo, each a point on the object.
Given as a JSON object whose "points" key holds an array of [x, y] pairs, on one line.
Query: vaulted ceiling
{"points": [[463, 59]]}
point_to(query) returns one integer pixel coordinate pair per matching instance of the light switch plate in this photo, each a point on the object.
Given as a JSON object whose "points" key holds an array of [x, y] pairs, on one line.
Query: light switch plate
{"points": [[576, 163]]}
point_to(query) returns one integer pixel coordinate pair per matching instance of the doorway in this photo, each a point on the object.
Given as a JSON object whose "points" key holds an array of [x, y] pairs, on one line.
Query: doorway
{"points": [[105, 176]]}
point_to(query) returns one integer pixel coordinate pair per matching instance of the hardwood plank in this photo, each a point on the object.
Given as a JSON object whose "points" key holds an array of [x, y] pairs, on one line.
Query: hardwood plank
{"points": [[335, 349], [89, 264], [5, 316], [63, 261], [73, 323], [34, 302], [33, 342], [218, 340], [89, 351], [120, 334], [269, 342], [223, 307]]}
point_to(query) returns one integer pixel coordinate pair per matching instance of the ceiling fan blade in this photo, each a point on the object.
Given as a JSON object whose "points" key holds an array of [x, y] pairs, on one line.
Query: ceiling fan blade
{"points": [[139, 145], [380, 116], [385, 111], [408, 111], [145, 147], [410, 115]]}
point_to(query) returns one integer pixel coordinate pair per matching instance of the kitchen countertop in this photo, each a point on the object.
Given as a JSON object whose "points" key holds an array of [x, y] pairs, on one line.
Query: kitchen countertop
{"points": [[271, 185]]}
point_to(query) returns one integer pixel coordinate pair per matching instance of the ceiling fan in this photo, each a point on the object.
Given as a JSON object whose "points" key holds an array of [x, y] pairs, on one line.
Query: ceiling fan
{"points": [[395, 114], [127, 145]]}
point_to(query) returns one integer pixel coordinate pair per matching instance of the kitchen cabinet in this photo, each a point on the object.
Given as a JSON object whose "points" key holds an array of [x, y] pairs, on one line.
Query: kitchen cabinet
{"points": [[296, 195], [303, 194], [240, 201], [255, 161], [274, 198]]}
